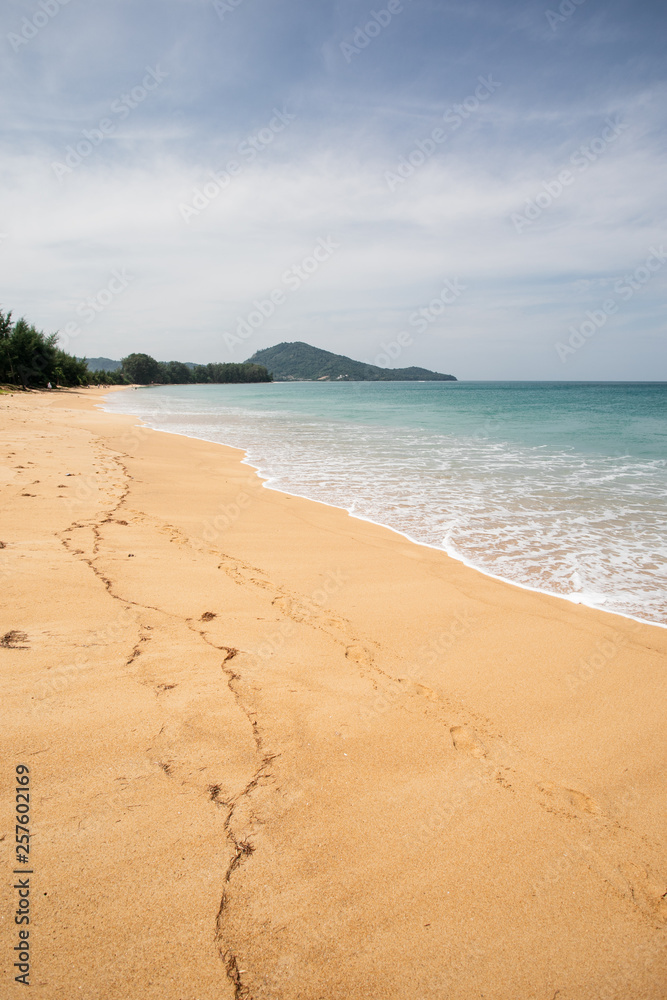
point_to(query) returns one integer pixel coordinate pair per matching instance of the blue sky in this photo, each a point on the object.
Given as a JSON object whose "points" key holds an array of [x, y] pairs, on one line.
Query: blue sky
{"points": [[476, 187]]}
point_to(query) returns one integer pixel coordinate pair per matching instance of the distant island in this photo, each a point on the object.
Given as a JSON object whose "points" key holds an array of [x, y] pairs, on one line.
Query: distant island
{"points": [[296, 361], [293, 361]]}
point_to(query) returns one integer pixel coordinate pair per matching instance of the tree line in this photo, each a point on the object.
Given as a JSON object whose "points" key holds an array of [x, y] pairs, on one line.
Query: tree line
{"points": [[31, 359], [143, 369]]}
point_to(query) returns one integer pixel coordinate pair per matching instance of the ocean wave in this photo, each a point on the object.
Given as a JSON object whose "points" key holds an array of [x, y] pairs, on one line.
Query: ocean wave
{"points": [[587, 527]]}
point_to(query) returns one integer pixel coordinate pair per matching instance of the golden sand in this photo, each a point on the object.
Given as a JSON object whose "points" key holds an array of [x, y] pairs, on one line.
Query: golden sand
{"points": [[279, 753]]}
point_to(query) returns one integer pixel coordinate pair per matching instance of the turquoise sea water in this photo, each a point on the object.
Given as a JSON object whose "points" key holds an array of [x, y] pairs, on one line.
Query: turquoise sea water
{"points": [[557, 486]]}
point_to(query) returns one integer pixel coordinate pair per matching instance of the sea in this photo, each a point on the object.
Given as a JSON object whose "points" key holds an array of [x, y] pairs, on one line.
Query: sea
{"points": [[558, 487]]}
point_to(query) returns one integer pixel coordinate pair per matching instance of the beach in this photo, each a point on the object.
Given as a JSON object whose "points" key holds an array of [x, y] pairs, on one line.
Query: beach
{"points": [[278, 752]]}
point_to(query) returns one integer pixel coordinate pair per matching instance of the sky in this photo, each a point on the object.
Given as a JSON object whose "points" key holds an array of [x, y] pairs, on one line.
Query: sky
{"points": [[475, 186]]}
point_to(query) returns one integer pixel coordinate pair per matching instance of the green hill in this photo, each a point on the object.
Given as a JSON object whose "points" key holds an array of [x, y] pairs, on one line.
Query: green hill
{"points": [[103, 365], [301, 362]]}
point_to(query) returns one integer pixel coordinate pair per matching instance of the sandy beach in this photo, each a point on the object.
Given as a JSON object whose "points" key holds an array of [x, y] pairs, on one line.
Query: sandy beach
{"points": [[276, 752]]}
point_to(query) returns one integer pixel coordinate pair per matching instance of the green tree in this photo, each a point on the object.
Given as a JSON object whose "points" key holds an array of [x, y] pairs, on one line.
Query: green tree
{"points": [[6, 366], [140, 368], [174, 373], [224, 372], [33, 359]]}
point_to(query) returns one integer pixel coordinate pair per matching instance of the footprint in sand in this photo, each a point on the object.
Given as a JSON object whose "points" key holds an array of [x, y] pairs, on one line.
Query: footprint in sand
{"points": [[425, 692], [420, 689], [467, 741], [360, 655], [565, 799], [646, 888]]}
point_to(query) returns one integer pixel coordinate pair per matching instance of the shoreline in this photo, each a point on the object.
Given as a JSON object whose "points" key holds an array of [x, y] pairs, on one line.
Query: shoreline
{"points": [[448, 550], [326, 760]]}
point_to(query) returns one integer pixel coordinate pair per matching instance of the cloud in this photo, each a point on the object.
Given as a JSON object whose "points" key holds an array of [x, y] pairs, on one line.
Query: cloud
{"points": [[324, 174]]}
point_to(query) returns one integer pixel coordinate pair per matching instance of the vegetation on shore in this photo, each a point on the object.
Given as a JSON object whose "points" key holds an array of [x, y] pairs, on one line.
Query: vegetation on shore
{"points": [[143, 369], [30, 359]]}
